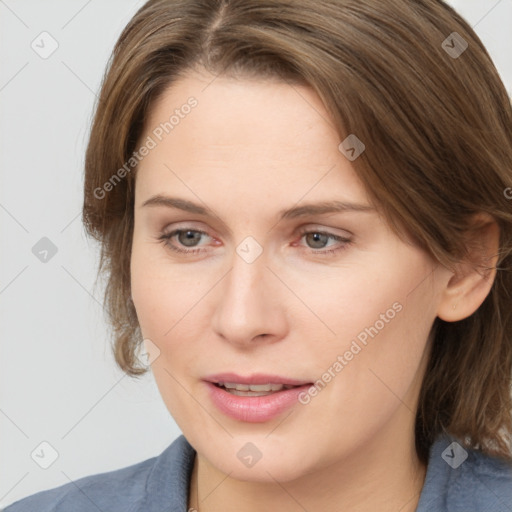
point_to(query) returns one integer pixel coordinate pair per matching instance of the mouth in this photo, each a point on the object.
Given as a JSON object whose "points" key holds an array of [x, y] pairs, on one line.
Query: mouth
{"points": [[256, 398]]}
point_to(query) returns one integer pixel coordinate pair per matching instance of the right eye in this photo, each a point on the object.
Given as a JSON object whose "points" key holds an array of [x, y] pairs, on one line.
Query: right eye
{"points": [[185, 237]]}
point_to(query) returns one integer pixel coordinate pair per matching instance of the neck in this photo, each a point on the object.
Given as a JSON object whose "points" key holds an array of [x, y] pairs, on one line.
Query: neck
{"points": [[384, 477]]}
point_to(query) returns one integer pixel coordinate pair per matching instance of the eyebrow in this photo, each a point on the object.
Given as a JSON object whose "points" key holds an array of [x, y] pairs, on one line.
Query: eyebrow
{"points": [[333, 206]]}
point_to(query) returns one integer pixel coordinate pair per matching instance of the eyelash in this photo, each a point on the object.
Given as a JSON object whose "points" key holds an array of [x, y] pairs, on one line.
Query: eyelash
{"points": [[166, 237]]}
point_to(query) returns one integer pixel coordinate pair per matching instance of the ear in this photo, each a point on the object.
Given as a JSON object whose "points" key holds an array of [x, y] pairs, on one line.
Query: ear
{"points": [[473, 277]]}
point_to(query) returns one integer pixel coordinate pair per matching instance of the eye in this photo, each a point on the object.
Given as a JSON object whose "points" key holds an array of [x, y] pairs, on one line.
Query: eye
{"points": [[185, 237], [319, 239]]}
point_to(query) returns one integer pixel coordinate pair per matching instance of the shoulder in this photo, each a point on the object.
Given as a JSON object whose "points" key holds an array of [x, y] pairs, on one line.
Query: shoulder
{"points": [[127, 489], [460, 479], [126, 483]]}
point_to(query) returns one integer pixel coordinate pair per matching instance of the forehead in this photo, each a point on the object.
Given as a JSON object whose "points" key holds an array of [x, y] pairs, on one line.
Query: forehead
{"points": [[244, 136]]}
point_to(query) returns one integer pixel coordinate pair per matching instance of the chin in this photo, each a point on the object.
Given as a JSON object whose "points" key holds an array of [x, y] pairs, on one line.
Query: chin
{"points": [[257, 457]]}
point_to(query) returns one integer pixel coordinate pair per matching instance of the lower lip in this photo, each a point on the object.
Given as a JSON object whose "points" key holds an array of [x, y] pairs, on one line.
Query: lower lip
{"points": [[255, 409]]}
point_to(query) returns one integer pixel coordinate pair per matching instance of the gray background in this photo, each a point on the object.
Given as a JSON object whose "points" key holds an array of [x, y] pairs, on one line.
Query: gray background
{"points": [[58, 380]]}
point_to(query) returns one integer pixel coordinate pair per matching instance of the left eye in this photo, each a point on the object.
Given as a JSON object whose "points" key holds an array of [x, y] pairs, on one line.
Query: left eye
{"points": [[319, 238]]}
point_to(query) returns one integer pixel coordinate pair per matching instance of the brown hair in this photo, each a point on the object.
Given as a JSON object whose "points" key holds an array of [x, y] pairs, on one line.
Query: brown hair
{"points": [[437, 128]]}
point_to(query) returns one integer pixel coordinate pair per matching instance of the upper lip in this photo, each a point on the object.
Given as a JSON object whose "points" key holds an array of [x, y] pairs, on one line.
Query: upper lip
{"points": [[256, 378]]}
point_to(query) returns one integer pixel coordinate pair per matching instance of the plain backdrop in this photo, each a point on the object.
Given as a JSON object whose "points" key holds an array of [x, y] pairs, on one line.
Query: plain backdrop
{"points": [[58, 381]]}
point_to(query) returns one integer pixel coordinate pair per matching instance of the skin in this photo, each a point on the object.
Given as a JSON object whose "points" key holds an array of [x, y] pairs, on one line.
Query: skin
{"points": [[248, 150]]}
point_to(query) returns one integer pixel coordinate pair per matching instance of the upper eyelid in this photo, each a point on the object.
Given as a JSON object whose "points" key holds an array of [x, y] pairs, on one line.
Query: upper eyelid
{"points": [[168, 230], [311, 227], [325, 230]]}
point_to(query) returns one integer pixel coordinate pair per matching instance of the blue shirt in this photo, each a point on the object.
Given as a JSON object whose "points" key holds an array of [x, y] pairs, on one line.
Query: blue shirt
{"points": [[456, 481]]}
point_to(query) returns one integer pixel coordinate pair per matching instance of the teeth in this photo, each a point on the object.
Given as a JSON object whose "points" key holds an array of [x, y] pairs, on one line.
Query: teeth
{"points": [[238, 387], [248, 393], [258, 388]]}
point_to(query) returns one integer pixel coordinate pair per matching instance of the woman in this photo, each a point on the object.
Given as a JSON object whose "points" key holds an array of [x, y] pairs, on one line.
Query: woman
{"points": [[304, 212]]}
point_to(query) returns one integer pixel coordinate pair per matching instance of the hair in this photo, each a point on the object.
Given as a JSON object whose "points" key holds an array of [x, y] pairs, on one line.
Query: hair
{"points": [[438, 134]]}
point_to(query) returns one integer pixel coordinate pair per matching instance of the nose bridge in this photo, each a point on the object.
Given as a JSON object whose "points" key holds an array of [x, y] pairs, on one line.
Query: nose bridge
{"points": [[248, 306]]}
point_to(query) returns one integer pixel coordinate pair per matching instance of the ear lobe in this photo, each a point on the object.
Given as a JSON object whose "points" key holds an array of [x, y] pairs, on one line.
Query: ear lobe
{"points": [[473, 278]]}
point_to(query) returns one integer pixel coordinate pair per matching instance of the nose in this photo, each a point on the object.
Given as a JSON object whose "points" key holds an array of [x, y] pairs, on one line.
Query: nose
{"points": [[251, 304]]}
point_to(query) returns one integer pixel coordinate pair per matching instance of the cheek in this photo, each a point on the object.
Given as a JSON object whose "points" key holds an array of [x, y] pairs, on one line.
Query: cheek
{"points": [[164, 301], [162, 296], [367, 303], [378, 356]]}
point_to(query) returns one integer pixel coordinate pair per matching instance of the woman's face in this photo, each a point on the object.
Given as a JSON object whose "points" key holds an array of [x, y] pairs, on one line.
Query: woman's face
{"points": [[257, 254]]}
